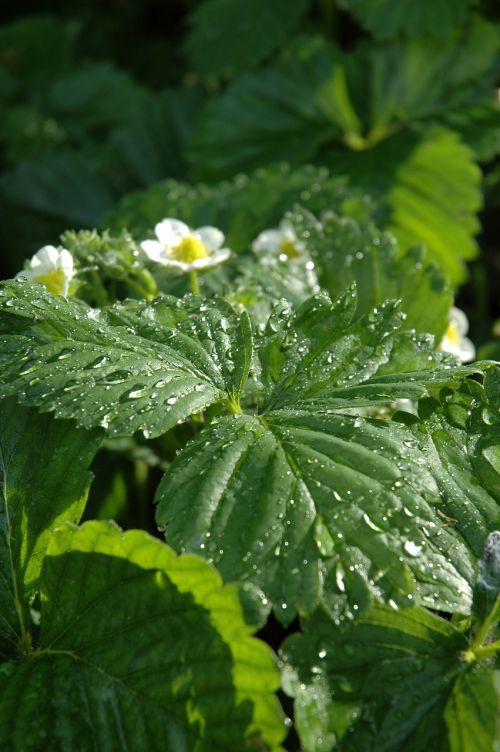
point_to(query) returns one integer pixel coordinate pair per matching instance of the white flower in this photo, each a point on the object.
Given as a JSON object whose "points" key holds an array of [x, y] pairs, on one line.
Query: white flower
{"points": [[52, 267], [281, 242], [454, 339], [179, 245]]}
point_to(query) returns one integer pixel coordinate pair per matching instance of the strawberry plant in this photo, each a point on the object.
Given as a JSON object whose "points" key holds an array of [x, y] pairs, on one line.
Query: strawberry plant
{"points": [[329, 467], [249, 448]]}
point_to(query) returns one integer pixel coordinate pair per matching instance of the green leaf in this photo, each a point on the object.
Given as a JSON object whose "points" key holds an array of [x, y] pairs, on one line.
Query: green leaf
{"points": [[386, 19], [422, 79], [452, 435], [429, 187], [61, 187], [279, 498], [283, 112], [24, 45], [126, 370], [479, 128], [424, 177], [316, 95], [260, 286], [94, 96], [44, 481], [140, 649], [346, 251], [151, 141], [394, 673], [241, 207], [227, 36], [322, 354], [472, 712]]}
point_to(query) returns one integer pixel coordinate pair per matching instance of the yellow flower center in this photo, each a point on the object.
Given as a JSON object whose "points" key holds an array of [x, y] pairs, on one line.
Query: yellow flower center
{"points": [[53, 281], [452, 334], [287, 247], [189, 249]]}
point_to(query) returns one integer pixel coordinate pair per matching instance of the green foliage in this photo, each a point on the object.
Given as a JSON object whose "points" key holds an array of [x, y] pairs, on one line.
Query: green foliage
{"points": [[155, 645], [419, 684], [386, 19], [36, 495], [293, 426], [283, 112], [425, 179], [217, 46], [241, 207], [428, 183], [125, 371], [86, 134], [345, 251]]}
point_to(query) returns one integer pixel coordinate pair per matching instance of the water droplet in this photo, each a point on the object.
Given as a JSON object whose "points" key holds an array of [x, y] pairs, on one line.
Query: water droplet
{"points": [[412, 548]]}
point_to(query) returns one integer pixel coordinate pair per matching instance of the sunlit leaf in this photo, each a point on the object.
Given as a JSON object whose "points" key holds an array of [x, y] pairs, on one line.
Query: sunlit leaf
{"points": [[140, 647]]}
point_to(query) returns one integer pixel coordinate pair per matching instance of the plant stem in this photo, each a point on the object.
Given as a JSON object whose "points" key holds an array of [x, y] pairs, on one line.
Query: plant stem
{"points": [[487, 650], [193, 281], [140, 290], [485, 627]]}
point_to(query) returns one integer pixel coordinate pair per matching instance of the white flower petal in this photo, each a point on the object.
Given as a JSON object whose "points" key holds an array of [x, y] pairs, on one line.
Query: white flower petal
{"points": [[169, 261], [458, 318], [46, 258], [154, 250], [454, 340], [268, 240], [171, 231], [464, 349], [215, 258], [211, 237], [66, 263], [287, 232], [467, 350]]}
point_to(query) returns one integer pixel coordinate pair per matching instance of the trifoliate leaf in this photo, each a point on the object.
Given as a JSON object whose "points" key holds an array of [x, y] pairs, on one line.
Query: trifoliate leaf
{"points": [[228, 36], [141, 649], [402, 679], [280, 498], [385, 19], [43, 481], [356, 99], [105, 370], [300, 107], [267, 499], [283, 112], [423, 79]]}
